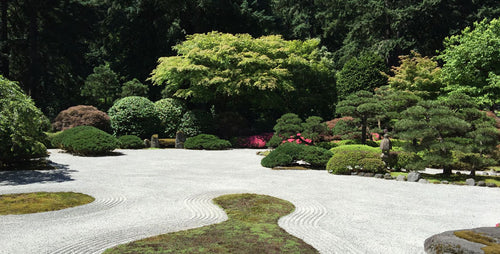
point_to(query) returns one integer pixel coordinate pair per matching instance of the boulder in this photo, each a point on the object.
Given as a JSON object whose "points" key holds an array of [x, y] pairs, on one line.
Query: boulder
{"points": [[155, 143], [449, 242], [368, 174], [379, 176], [401, 178], [423, 181], [180, 138], [413, 177], [388, 176], [444, 182], [470, 182], [491, 185], [481, 183], [147, 143]]}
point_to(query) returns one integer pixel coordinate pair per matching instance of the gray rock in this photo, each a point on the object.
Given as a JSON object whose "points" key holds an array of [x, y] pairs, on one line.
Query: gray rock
{"points": [[413, 176], [388, 176], [147, 143], [491, 185], [481, 183], [401, 178], [379, 176], [470, 182], [354, 173], [180, 138], [423, 181], [368, 174], [444, 182], [155, 143], [448, 242], [361, 174]]}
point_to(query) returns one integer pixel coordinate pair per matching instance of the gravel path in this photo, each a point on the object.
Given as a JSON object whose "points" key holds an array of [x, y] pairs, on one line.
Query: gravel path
{"points": [[149, 192]]}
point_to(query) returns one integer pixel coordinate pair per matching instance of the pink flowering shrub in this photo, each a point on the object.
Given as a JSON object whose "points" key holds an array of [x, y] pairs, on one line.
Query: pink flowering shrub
{"points": [[298, 139], [255, 141], [375, 136], [498, 225]]}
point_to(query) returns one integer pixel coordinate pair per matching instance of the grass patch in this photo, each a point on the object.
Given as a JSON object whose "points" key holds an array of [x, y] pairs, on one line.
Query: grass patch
{"points": [[41, 202], [453, 179], [471, 236], [495, 168], [251, 228]]}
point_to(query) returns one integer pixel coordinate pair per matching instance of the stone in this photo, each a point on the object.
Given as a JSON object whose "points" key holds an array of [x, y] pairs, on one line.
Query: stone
{"points": [[470, 182], [155, 143], [379, 176], [491, 185], [388, 176], [401, 178], [448, 242], [445, 182], [354, 173], [423, 181], [180, 138], [481, 183], [369, 174], [147, 143], [413, 176], [361, 174]]}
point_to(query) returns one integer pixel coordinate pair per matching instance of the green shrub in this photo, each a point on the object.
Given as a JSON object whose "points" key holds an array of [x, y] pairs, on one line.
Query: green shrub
{"points": [[410, 161], [348, 142], [316, 156], [170, 112], [343, 162], [57, 138], [134, 87], [292, 149], [362, 148], [276, 159], [373, 165], [190, 124], [275, 141], [288, 125], [134, 115], [326, 145], [88, 141], [130, 142], [206, 141]]}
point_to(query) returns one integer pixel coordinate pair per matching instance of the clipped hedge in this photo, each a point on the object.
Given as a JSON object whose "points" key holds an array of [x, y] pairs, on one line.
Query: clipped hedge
{"points": [[134, 115], [88, 141], [316, 156], [130, 142], [345, 162], [361, 148], [207, 142], [288, 153]]}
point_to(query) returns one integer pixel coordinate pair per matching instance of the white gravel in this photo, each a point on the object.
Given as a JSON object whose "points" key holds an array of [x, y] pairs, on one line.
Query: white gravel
{"points": [[148, 192]]}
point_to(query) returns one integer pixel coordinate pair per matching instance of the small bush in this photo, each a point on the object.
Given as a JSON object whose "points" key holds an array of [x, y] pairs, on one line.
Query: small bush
{"points": [[81, 115], [134, 87], [276, 159], [275, 141], [343, 162], [409, 161], [373, 165], [88, 141], [57, 138], [134, 115], [206, 141], [130, 142], [316, 156], [170, 112], [362, 148], [190, 124]]}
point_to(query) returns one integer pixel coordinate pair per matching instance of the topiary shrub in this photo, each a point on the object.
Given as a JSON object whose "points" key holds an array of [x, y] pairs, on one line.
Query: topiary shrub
{"points": [[88, 141], [21, 125], [274, 159], [344, 162], [373, 165], [275, 141], [326, 145], [134, 115], [130, 142], [317, 157], [170, 112], [361, 148], [410, 161], [206, 141], [81, 115]]}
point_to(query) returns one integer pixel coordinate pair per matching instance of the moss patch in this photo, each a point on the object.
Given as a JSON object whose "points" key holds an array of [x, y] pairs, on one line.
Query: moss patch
{"points": [[41, 202], [251, 228], [491, 246]]}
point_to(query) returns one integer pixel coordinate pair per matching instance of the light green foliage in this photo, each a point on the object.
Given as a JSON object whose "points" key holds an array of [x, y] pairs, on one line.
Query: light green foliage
{"points": [[21, 125], [345, 162], [134, 115], [130, 142], [102, 87], [190, 124], [134, 87], [417, 74], [313, 128], [373, 165], [240, 70], [170, 112], [361, 148], [207, 142], [363, 73], [288, 125], [363, 106], [88, 141], [472, 62]]}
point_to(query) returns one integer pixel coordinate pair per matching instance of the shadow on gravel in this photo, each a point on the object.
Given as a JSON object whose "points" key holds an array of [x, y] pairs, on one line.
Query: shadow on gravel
{"points": [[59, 173]]}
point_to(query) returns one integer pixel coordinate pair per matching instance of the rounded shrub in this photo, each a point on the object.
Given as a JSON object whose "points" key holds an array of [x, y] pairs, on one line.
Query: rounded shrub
{"points": [[134, 115], [130, 142], [207, 142], [274, 159], [373, 165], [275, 141], [316, 156], [170, 112], [409, 161], [346, 161], [88, 141], [21, 125], [81, 115]]}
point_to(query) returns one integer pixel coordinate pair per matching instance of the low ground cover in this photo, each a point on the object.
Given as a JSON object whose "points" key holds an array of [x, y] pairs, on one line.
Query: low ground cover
{"points": [[41, 202], [453, 179], [251, 228]]}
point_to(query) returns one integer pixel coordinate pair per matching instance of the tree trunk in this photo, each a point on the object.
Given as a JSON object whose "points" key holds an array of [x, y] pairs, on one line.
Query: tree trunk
{"points": [[446, 171], [34, 65], [4, 50]]}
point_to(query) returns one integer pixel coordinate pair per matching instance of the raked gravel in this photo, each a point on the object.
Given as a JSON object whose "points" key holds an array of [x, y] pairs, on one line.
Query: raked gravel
{"points": [[144, 193]]}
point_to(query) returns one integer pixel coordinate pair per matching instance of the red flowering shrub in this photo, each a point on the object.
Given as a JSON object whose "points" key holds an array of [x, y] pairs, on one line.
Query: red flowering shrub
{"points": [[255, 141], [81, 115], [298, 139]]}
